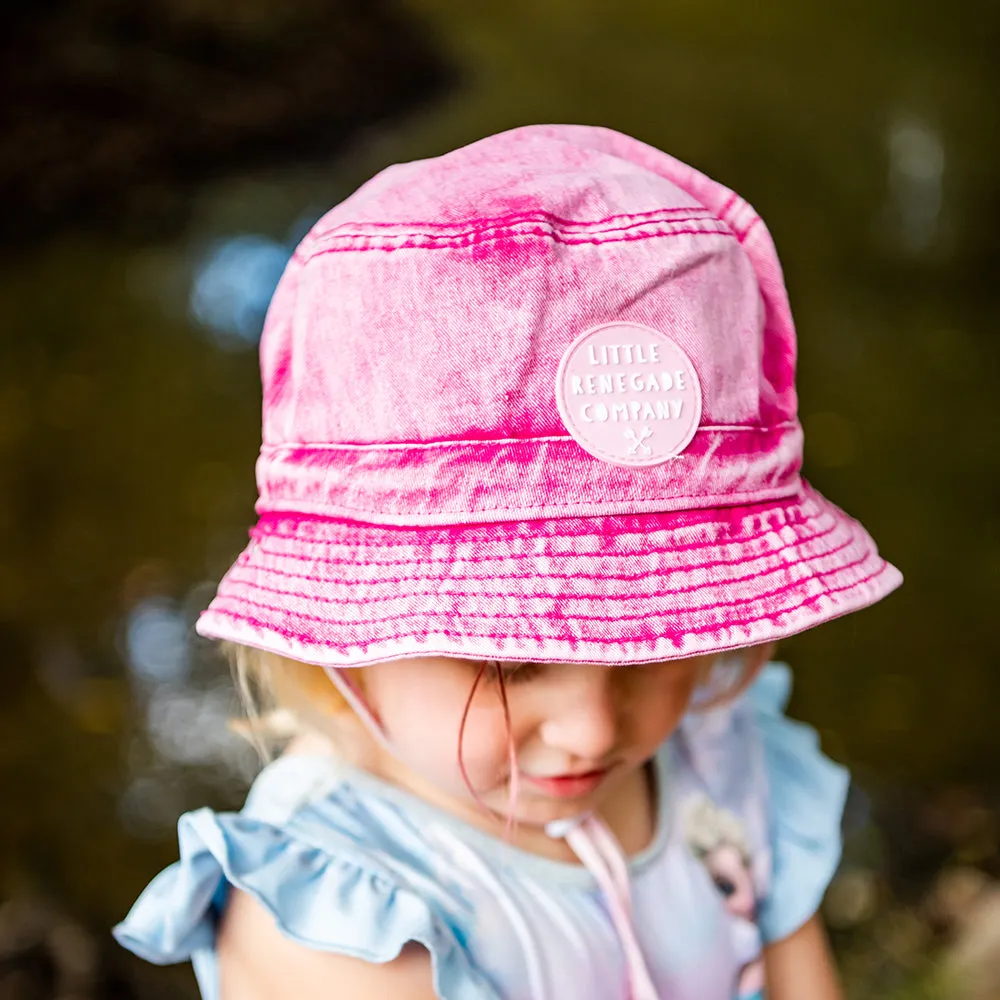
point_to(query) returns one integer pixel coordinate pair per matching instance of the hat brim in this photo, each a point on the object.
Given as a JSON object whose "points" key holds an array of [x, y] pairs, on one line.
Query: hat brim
{"points": [[617, 589]]}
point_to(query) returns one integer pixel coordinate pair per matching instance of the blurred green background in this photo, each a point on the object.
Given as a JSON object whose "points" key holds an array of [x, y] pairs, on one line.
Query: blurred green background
{"points": [[159, 163]]}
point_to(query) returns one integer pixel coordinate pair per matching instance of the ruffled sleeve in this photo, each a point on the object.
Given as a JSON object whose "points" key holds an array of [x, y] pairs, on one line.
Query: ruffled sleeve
{"points": [[806, 793], [346, 904]]}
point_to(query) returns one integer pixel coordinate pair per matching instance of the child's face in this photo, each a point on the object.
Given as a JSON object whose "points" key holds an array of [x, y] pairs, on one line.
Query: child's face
{"points": [[566, 719], [732, 877]]}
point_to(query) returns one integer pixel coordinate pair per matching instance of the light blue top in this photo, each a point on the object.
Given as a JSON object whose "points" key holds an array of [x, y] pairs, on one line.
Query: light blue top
{"points": [[747, 839]]}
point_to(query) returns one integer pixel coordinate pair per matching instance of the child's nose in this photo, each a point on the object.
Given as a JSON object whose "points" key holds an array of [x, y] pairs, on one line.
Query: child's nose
{"points": [[584, 721]]}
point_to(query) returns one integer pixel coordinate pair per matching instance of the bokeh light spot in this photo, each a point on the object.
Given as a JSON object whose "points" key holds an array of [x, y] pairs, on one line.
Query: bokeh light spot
{"points": [[156, 639], [233, 286]]}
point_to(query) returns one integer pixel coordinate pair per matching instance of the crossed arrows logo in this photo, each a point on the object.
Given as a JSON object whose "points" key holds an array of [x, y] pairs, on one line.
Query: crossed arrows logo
{"points": [[638, 441]]}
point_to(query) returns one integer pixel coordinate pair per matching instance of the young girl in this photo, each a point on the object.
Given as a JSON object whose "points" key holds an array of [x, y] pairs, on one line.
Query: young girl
{"points": [[531, 520]]}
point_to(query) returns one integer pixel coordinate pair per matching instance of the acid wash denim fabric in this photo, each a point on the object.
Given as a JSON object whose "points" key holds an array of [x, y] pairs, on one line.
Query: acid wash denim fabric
{"points": [[410, 352], [419, 490]]}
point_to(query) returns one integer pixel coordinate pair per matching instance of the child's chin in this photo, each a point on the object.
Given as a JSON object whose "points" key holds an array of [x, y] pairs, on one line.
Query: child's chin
{"points": [[540, 811]]}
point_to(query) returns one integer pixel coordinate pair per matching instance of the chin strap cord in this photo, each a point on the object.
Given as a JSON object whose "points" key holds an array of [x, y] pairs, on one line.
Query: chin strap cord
{"points": [[588, 837], [595, 845]]}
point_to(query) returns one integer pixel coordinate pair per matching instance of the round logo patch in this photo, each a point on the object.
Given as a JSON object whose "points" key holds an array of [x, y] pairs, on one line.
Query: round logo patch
{"points": [[628, 394]]}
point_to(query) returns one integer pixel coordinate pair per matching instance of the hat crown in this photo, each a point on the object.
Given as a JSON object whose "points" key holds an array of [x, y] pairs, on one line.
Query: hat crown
{"points": [[432, 308]]}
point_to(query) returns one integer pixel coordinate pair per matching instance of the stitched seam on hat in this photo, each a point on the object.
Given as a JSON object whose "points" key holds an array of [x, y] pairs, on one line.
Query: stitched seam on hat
{"points": [[406, 445], [351, 543], [528, 556], [526, 507], [730, 201], [458, 245], [513, 227], [428, 612], [712, 542], [475, 238], [464, 442], [805, 505], [727, 626], [638, 640], [368, 598], [803, 532], [746, 232], [493, 221], [621, 577]]}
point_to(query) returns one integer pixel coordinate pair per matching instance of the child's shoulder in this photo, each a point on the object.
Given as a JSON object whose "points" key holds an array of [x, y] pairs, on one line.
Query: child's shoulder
{"points": [[310, 867], [256, 960]]}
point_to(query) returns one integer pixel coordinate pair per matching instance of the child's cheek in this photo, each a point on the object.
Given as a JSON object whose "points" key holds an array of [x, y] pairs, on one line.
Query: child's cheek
{"points": [[660, 712], [431, 745], [484, 751]]}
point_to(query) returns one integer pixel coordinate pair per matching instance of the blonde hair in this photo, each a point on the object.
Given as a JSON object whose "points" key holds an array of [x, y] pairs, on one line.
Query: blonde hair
{"points": [[724, 678], [283, 698]]}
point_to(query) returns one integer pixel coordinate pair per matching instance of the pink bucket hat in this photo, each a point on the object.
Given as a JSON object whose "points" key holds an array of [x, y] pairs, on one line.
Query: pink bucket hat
{"points": [[534, 400]]}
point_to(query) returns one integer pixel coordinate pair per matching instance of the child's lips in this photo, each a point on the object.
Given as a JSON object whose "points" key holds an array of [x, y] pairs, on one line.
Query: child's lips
{"points": [[568, 786]]}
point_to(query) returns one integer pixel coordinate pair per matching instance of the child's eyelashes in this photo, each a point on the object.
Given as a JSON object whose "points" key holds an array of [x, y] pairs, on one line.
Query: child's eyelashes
{"points": [[513, 673], [519, 673]]}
